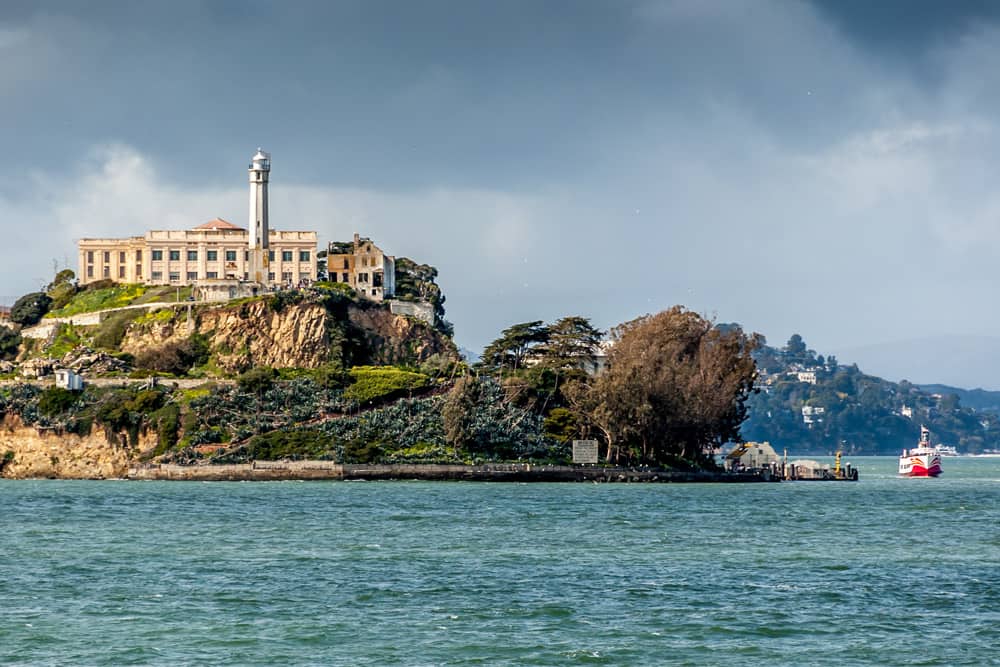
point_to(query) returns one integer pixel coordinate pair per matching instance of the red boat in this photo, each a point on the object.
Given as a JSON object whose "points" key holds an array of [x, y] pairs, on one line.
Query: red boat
{"points": [[924, 460]]}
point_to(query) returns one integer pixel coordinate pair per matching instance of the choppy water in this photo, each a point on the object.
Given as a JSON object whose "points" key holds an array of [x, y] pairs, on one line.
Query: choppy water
{"points": [[883, 572]]}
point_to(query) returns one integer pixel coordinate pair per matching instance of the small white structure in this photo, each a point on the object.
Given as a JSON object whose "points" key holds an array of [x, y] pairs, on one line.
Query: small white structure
{"points": [[67, 379], [809, 377], [811, 414]]}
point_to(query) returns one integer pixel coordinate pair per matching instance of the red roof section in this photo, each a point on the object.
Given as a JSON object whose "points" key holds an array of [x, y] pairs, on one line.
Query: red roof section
{"points": [[218, 223]]}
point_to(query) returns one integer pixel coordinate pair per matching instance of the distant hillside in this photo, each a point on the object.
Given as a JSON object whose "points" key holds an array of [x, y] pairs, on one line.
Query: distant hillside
{"points": [[812, 404], [980, 400]]}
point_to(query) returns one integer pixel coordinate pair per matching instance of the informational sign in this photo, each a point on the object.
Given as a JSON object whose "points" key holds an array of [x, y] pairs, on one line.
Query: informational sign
{"points": [[584, 451]]}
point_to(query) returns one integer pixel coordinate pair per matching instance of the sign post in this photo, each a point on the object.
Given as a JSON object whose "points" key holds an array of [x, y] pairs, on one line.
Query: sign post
{"points": [[584, 451]]}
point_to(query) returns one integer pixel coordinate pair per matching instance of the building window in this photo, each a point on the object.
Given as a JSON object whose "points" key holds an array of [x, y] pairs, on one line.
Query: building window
{"points": [[303, 276], [121, 271], [246, 255], [107, 256], [286, 276], [107, 272], [90, 271], [138, 270], [175, 255], [212, 274], [246, 275], [286, 255], [192, 275], [192, 255], [157, 275], [157, 255], [138, 255], [344, 278], [270, 276], [90, 257], [230, 255], [362, 277], [303, 255], [121, 257], [212, 255], [270, 255], [376, 280], [175, 276]]}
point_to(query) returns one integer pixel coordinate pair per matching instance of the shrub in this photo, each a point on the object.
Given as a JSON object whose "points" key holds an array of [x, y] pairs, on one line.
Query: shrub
{"points": [[257, 380], [379, 383], [146, 401], [284, 298], [111, 332], [177, 357], [10, 340], [167, 421], [560, 424], [289, 444], [55, 401], [362, 452], [65, 341], [30, 308]]}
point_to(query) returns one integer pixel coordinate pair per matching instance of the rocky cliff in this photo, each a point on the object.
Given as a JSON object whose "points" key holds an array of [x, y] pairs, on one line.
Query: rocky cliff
{"points": [[306, 334], [40, 453]]}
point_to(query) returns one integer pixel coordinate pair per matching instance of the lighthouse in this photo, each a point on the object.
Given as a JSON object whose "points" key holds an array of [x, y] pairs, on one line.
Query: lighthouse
{"points": [[260, 169]]}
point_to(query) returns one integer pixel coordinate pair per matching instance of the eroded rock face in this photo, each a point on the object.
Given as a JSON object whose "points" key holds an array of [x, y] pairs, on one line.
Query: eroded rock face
{"points": [[396, 339], [303, 335], [64, 455]]}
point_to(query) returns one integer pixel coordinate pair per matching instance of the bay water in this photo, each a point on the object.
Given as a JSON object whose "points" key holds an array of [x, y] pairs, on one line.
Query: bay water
{"points": [[885, 571]]}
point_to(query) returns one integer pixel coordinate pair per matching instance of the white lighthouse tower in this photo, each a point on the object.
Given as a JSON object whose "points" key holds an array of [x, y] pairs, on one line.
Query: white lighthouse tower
{"points": [[260, 169]]}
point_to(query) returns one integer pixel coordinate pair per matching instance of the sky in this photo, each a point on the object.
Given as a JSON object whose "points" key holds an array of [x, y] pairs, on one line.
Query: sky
{"points": [[826, 168]]}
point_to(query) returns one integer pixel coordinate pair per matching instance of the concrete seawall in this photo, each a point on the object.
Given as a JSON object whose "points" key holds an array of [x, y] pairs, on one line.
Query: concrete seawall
{"points": [[514, 472]]}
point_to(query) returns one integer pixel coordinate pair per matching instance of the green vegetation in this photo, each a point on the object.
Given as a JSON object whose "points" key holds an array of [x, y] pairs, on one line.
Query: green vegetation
{"points": [[94, 299], [676, 385], [56, 401], [416, 282], [62, 289], [111, 332], [381, 383], [849, 410], [175, 358], [158, 316], [10, 341], [30, 308], [67, 337]]}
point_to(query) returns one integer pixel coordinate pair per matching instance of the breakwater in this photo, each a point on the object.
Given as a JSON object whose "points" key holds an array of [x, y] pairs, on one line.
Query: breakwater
{"points": [[511, 472]]}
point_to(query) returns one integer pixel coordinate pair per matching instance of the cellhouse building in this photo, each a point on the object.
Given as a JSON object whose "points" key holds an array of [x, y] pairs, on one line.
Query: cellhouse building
{"points": [[218, 257]]}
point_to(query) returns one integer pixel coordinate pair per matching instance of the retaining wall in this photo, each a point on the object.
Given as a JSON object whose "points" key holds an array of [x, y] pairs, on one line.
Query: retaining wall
{"points": [[514, 472]]}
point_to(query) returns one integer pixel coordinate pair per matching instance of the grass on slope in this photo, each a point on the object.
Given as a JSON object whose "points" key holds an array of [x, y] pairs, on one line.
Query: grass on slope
{"points": [[89, 301]]}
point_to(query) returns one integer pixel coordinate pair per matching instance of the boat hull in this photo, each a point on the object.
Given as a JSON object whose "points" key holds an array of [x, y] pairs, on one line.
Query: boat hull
{"points": [[920, 466]]}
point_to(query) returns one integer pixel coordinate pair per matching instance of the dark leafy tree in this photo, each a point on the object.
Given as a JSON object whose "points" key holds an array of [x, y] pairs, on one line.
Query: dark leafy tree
{"points": [[10, 340], [30, 308], [572, 343], [515, 342], [675, 387]]}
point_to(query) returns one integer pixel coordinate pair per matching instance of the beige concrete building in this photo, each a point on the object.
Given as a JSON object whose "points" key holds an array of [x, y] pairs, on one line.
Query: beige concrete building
{"points": [[363, 266], [216, 250]]}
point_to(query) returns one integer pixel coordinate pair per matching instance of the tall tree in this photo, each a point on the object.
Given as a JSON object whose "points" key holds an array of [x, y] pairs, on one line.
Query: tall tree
{"points": [[513, 345], [675, 387], [572, 343]]}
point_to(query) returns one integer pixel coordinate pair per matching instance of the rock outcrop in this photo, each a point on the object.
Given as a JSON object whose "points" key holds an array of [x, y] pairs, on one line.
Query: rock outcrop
{"points": [[38, 453], [303, 335]]}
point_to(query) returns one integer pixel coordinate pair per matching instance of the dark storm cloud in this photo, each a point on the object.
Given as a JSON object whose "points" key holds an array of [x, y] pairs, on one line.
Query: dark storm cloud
{"points": [[794, 166]]}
